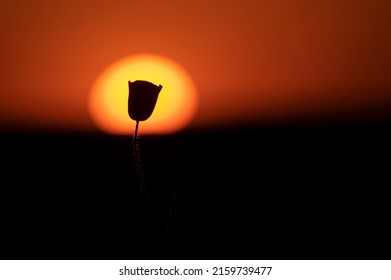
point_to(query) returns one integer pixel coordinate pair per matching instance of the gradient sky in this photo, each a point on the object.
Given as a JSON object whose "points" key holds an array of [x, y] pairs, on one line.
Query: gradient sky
{"points": [[251, 60]]}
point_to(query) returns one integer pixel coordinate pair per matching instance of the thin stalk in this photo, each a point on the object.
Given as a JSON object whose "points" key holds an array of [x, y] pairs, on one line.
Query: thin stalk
{"points": [[144, 191]]}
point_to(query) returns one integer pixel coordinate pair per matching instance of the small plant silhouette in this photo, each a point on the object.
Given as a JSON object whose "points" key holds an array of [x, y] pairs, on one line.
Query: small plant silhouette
{"points": [[141, 103]]}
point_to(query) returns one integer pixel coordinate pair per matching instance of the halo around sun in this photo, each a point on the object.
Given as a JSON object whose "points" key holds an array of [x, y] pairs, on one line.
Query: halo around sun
{"points": [[175, 107]]}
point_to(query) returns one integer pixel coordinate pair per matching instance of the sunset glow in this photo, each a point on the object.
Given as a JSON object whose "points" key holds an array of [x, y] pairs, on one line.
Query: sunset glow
{"points": [[175, 107], [65, 66]]}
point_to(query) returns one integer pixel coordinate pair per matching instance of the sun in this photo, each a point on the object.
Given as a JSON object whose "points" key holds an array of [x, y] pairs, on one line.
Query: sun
{"points": [[175, 107]]}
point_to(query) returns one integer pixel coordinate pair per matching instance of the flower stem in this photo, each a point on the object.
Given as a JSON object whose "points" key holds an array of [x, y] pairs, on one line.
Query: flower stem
{"points": [[144, 192]]}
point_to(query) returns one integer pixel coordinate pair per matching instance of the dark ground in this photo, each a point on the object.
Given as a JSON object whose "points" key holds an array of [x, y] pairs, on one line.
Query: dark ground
{"points": [[295, 192]]}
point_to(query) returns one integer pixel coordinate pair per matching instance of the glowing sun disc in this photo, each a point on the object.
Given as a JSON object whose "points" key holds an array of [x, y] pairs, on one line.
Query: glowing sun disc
{"points": [[175, 107]]}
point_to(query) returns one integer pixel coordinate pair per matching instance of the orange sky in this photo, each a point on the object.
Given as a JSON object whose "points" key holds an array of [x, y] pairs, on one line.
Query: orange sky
{"points": [[250, 60]]}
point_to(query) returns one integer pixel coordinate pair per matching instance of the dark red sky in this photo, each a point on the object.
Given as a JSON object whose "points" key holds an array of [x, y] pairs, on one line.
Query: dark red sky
{"points": [[250, 60]]}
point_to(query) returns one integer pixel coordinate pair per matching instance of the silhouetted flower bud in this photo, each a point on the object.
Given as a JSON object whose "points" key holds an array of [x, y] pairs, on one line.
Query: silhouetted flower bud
{"points": [[142, 99]]}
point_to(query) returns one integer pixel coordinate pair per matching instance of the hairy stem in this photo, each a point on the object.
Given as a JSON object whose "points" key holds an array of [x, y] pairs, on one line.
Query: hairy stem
{"points": [[144, 191]]}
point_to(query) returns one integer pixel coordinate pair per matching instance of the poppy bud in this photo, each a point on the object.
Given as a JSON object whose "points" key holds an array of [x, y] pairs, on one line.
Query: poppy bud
{"points": [[142, 99]]}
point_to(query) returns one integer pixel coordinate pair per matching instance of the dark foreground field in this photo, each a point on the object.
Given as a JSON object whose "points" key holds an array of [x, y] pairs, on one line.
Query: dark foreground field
{"points": [[262, 193]]}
